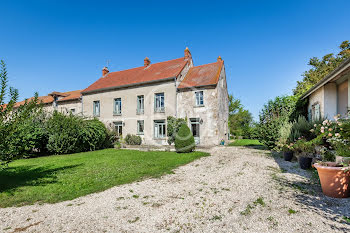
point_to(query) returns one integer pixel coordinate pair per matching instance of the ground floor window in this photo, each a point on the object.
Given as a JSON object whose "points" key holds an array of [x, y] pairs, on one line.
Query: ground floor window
{"points": [[140, 126], [118, 125], [159, 129]]}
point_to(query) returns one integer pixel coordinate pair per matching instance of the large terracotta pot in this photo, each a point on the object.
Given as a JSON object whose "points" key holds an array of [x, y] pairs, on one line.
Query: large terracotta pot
{"points": [[334, 180]]}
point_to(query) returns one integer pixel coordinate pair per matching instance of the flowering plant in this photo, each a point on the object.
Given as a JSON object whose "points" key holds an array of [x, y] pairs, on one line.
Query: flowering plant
{"points": [[301, 146], [328, 129]]}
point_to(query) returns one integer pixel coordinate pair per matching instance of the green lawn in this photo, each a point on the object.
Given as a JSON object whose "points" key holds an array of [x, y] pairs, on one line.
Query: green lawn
{"points": [[64, 177], [246, 142]]}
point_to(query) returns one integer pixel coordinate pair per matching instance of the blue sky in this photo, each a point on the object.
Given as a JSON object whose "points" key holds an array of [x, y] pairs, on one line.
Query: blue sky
{"points": [[63, 45]]}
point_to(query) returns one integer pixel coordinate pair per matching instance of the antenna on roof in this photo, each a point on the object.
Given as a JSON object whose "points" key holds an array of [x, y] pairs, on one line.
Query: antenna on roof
{"points": [[107, 63]]}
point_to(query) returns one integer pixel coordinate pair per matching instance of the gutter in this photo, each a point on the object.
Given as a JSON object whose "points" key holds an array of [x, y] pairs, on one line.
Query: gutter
{"points": [[345, 64], [128, 85]]}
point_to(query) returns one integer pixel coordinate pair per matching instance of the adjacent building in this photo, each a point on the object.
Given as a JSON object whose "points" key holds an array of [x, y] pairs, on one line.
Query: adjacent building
{"points": [[330, 96]]}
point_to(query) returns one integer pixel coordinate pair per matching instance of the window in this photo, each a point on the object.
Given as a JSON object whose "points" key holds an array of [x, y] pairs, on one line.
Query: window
{"points": [[140, 126], [117, 106], [72, 110], [159, 102], [159, 129], [199, 98], [315, 112], [118, 128], [140, 104], [96, 107]]}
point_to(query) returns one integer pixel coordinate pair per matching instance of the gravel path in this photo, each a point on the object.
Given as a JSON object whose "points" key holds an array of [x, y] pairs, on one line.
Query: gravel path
{"points": [[234, 190]]}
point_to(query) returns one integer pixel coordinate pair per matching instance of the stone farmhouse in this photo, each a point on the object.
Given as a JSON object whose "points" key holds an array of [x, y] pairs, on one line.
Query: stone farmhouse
{"points": [[139, 100], [330, 96]]}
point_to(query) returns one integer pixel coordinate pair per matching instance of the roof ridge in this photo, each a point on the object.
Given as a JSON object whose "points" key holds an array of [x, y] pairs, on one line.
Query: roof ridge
{"points": [[144, 66]]}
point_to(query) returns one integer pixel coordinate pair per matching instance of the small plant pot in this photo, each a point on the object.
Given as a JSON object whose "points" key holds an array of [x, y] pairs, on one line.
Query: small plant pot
{"points": [[288, 155], [334, 180], [305, 162]]}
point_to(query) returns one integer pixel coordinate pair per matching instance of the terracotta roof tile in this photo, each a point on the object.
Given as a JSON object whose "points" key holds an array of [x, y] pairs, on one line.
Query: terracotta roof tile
{"points": [[203, 75], [153, 72], [69, 95]]}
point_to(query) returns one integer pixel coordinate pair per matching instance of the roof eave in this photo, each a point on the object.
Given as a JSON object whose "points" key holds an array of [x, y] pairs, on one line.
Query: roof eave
{"points": [[328, 77], [199, 86], [128, 85]]}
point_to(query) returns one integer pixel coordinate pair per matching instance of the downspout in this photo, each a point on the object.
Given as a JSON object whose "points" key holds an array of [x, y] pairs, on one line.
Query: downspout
{"points": [[175, 97], [82, 105]]}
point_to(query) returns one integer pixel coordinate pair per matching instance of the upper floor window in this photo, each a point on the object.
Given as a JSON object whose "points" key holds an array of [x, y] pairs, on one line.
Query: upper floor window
{"points": [[159, 102], [199, 98], [96, 108], [140, 104], [117, 106]]}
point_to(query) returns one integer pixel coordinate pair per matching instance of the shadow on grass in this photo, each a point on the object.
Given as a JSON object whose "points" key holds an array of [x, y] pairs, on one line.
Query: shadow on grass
{"points": [[309, 192], [15, 177], [256, 147]]}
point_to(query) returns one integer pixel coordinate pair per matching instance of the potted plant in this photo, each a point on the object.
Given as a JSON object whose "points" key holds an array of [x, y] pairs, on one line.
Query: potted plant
{"points": [[304, 151], [334, 178], [287, 151]]}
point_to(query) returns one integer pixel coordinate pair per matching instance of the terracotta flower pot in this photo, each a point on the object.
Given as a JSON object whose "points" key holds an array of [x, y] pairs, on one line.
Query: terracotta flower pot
{"points": [[334, 180], [288, 155]]}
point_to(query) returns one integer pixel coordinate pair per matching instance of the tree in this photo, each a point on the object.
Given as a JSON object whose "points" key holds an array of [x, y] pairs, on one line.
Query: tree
{"points": [[271, 118], [320, 68], [240, 119]]}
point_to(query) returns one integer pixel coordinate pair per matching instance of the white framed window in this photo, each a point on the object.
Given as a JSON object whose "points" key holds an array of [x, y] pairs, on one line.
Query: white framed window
{"points": [[159, 129], [159, 102], [117, 109], [140, 126], [140, 104], [96, 108], [199, 98], [118, 125]]}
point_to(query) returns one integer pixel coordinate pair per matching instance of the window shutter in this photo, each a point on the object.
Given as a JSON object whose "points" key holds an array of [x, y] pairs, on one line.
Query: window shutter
{"points": [[309, 115]]}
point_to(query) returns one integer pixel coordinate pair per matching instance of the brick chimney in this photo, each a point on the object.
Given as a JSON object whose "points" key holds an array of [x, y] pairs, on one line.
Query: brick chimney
{"points": [[187, 53], [219, 58], [146, 62], [105, 71]]}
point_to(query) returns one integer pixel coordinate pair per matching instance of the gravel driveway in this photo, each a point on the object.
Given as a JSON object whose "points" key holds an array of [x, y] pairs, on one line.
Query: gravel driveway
{"points": [[234, 190]]}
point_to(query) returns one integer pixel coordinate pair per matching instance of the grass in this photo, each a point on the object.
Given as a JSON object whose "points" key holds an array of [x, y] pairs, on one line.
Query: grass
{"points": [[248, 143], [58, 178]]}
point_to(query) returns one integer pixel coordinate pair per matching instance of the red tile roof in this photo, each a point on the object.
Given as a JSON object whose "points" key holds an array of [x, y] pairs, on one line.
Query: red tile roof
{"points": [[153, 72], [69, 95], [203, 75]]}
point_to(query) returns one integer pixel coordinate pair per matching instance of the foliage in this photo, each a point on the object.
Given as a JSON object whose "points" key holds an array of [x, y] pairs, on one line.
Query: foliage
{"points": [[271, 118], [133, 139], [58, 178], [94, 136], [283, 143], [21, 129], [173, 125], [322, 67], [301, 128], [184, 141], [240, 119], [64, 132], [302, 146]]}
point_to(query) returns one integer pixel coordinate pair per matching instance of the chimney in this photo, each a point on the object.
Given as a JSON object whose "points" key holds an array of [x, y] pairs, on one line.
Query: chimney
{"points": [[146, 62], [187, 53], [105, 71], [219, 58]]}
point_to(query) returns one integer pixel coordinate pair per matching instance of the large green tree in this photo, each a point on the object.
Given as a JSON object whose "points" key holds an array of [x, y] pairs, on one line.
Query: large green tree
{"points": [[321, 67], [240, 119]]}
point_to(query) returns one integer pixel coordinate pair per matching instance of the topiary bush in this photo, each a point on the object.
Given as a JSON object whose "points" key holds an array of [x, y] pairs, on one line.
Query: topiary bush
{"points": [[131, 139], [184, 140], [93, 136]]}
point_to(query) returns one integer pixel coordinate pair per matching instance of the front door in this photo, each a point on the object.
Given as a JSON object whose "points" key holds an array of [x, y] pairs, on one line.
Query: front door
{"points": [[195, 128]]}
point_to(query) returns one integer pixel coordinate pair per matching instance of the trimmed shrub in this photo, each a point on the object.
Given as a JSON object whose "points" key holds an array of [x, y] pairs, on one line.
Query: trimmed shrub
{"points": [[93, 136], [184, 141], [173, 126], [131, 139]]}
